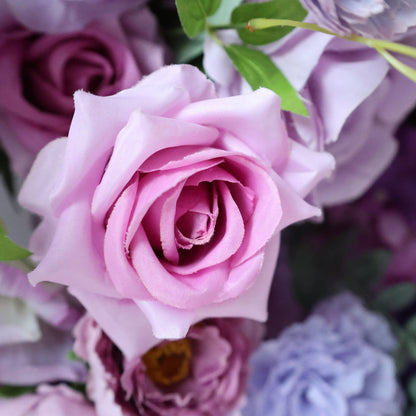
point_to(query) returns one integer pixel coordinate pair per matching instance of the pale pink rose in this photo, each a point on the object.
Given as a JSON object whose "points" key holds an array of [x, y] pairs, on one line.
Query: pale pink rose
{"points": [[40, 73], [48, 401], [35, 331], [168, 199], [202, 374]]}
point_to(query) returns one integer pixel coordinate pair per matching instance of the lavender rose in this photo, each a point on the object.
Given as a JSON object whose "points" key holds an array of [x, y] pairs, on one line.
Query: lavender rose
{"points": [[179, 196], [35, 332], [47, 401], [385, 19], [58, 16], [202, 374], [317, 368], [348, 119], [40, 73]]}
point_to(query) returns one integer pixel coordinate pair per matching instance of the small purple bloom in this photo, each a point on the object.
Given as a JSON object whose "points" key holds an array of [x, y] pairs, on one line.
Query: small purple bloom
{"points": [[202, 374], [320, 367], [386, 19]]}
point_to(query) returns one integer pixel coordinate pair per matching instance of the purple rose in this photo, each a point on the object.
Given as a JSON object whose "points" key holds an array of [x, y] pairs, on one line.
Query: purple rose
{"points": [[202, 374], [348, 119], [318, 368], [40, 73], [47, 401], [386, 19], [58, 16], [179, 196], [35, 332]]}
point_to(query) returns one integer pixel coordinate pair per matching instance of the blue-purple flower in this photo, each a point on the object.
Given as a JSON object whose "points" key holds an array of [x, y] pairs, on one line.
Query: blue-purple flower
{"points": [[321, 368]]}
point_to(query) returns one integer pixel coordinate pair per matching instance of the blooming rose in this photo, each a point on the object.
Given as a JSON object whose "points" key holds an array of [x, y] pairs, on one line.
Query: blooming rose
{"points": [[202, 374], [40, 73], [175, 205], [35, 332], [57, 16], [321, 367], [349, 119], [48, 400], [386, 19]]}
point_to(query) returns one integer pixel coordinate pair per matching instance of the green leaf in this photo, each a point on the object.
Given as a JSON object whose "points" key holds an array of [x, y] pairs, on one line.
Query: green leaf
{"points": [[411, 389], [259, 71], [396, 298], [365, 271], [410, 327], [185, 50], [14, 391], [275, 9], [9, 250], [411, 411], [223, 14], [193, 14]]}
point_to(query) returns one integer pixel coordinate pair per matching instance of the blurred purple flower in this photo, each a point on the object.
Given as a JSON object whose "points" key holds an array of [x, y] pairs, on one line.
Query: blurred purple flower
{"points": [[35, 332], [59, 16], [385, 19], [41, 72], [47, 401], [321, 368], [355, 101], [202, 374]]}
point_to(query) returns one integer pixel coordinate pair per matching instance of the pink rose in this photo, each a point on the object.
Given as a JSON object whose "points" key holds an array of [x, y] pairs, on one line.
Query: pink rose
{"points": [[168, 199], [202, 374], [40, 73], [48, 401]]}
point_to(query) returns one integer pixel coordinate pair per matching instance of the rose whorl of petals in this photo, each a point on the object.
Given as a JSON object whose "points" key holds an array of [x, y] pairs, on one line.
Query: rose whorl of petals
{"points": [[179, 197], [35, 332], [323, 367], [385, 19], [202, 374], [41, 72], [48, 401]]}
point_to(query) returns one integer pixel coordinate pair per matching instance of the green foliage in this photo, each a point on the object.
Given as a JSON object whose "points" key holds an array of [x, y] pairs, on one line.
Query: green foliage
{"points": [[15, 391], [194, 13], [395, 298], [275, 9], [259, 71], [9, 250]]}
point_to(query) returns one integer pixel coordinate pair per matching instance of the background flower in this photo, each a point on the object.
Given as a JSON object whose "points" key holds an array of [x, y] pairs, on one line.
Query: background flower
{"points": [[48, 400], [385, 19], [35, 332], [179, 196], [318, 368], [348, 118], [202, 374], [42, 71]]}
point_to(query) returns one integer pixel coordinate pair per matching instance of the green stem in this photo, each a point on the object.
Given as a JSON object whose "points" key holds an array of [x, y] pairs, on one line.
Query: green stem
{"points": [[400, 66]]}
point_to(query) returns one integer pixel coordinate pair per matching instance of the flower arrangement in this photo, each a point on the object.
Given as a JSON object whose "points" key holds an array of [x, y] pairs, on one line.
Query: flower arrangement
{"points": [[208, 208]]}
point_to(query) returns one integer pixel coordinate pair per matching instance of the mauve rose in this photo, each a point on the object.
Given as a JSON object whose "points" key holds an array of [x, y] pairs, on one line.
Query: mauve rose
{"points": [[40, 73], [57, 16], [35, 332], [202, 374], [48, 401], [175, 205], [348, 119]]}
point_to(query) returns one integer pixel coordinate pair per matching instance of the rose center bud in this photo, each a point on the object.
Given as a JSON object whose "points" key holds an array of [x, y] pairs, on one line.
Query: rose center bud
{"points": [[168, 363]]}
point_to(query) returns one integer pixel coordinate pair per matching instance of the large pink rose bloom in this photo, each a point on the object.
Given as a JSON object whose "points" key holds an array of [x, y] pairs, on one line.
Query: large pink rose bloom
{"points": [[35, 332], [47, 401], [202, 374], [355, 101], [40, 73], [168, 199]]}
